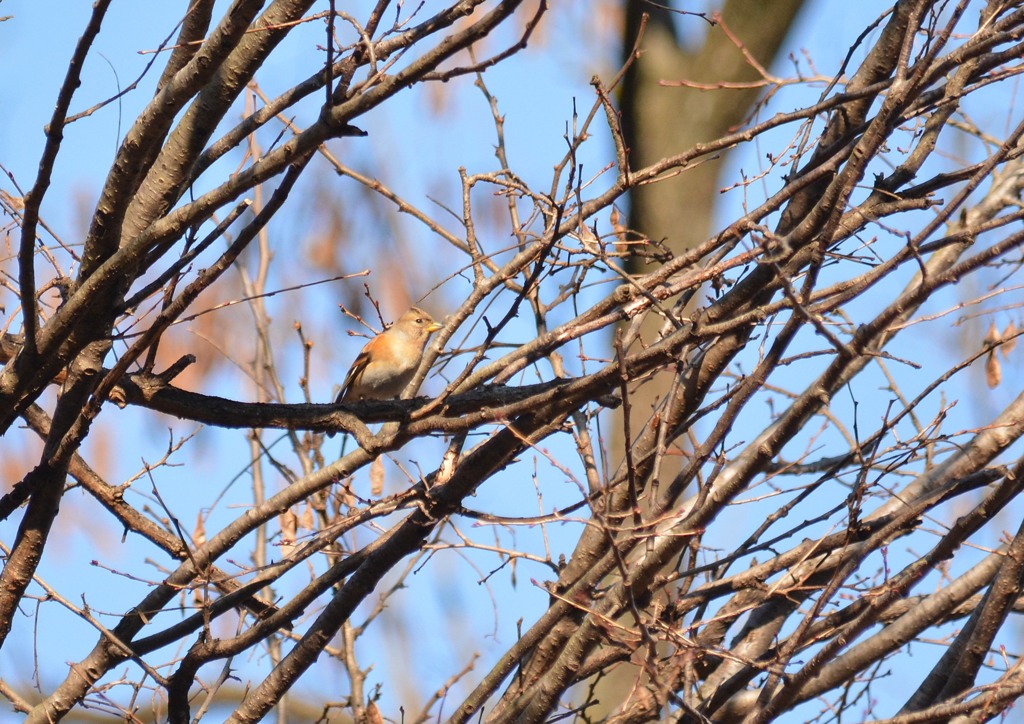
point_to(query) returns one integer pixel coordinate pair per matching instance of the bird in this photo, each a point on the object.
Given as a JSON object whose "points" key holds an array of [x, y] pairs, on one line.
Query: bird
{"points": [[388, 361]]}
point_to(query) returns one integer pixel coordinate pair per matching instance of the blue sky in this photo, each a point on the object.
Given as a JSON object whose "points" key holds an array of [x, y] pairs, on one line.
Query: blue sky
{"points": [[416, 144]]}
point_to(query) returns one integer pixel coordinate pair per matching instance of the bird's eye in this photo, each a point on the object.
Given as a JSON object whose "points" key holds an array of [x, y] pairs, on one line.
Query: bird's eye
{"points": [[419, 320]]}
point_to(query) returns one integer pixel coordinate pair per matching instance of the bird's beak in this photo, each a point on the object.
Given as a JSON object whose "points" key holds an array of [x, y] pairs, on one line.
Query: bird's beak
{"points": [[433, 327]]}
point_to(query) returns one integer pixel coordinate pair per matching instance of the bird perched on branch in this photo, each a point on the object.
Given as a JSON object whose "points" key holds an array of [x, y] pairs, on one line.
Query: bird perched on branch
{"points": [[388, 361]]}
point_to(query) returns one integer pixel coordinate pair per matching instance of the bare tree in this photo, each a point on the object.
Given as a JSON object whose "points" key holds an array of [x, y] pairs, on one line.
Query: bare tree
{"points": [[825, 514]]}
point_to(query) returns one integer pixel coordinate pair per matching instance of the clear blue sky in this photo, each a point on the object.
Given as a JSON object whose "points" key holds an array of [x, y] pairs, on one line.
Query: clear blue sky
{"points": [[419, 141]]}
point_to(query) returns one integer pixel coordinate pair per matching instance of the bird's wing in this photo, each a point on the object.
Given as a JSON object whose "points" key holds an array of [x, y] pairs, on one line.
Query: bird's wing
{"points": [[354, 372]]}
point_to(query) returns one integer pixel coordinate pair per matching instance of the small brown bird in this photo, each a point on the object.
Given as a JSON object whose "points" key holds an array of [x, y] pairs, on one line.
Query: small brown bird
{"points": [[388, 361]]}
